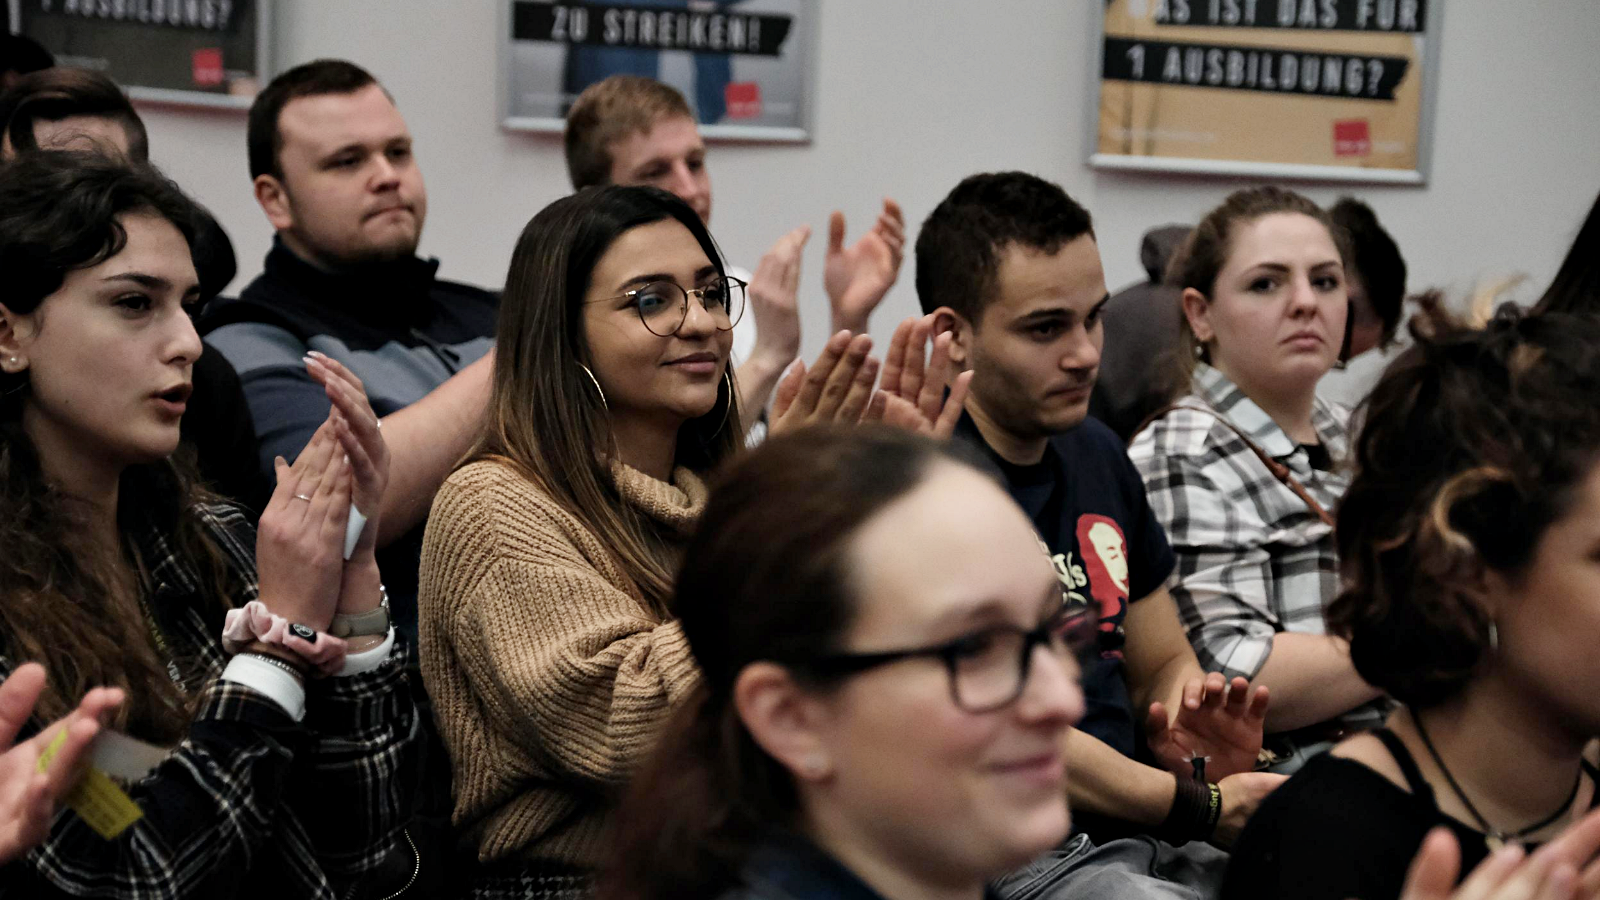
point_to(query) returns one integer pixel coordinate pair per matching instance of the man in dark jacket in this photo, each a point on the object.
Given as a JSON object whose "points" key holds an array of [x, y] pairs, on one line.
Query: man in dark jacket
{"points": [[334, 173]]}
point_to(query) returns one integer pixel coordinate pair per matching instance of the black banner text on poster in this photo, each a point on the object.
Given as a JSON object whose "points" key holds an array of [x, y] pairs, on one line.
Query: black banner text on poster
{"points": [[1370, 16], [198, 15], [650, 28], [1264, 69]]}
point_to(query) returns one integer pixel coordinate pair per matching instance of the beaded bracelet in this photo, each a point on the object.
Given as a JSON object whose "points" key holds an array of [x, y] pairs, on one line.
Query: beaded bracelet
{"points": [[274, 661]]}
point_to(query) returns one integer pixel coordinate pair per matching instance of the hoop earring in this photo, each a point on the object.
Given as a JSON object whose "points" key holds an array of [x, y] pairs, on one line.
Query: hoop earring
{"points": [[1494, 637], [727, 377], [596, 386]]}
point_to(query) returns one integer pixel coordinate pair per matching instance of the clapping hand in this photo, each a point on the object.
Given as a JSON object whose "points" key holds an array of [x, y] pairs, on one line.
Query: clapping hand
{"points": [[913, 393], [359, 435], [355, 426], [300, 540], [837, 387], [1215, 719], [774, 299], [29, 798], [1560, 870], [857, 277]]}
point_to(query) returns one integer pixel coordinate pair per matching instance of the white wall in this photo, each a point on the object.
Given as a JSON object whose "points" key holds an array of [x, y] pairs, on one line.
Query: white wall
{"points": [[912, 96]]}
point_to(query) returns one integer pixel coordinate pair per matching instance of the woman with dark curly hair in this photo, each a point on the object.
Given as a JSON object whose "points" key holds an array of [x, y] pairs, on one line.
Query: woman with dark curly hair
{"points": [[1469, 538]]}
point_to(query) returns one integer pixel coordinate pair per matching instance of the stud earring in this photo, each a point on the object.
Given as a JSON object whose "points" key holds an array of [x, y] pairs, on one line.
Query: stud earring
{"points": [[814, 765]]}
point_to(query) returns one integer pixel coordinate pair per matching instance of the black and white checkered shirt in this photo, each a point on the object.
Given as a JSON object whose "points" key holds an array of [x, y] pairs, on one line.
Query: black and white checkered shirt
{"points": [[1253, 558], [251, 803]]}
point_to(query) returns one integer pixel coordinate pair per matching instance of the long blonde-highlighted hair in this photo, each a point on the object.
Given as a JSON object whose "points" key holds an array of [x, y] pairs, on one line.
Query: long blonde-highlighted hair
{"points": [[546, 418]]}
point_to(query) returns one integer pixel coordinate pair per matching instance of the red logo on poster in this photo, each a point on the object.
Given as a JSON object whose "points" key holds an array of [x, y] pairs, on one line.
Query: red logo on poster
{"points": [[743, 99], [207, 65], [1351, 138]]}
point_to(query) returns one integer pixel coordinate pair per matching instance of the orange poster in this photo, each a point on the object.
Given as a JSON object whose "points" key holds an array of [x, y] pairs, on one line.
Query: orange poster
{"points": [[1283, 88]]}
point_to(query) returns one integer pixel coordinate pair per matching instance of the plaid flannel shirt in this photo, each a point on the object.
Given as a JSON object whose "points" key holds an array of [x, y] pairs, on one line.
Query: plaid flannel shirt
{"points": [[1253, 559], [251, 803]]}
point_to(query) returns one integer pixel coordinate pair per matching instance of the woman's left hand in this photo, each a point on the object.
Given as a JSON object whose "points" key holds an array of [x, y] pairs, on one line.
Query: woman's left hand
{"points": [[300, 538]]}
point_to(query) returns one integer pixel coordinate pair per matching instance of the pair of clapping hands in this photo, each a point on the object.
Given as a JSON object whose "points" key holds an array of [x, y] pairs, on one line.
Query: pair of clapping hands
{"points": [[856, 278], [300, 542], [842, 386]]}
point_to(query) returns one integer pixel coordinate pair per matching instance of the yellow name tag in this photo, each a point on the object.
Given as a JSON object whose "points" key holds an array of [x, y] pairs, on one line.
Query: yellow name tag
{"points": [[96, 799]]}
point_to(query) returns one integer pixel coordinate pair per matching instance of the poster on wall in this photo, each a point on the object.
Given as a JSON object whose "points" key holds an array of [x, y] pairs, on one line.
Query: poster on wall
{"points": [[1329, 89], [197, 52], [745, 66]]}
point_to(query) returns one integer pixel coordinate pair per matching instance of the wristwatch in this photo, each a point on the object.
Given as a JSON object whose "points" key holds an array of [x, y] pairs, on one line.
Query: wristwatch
{"points": [[375, 621]]}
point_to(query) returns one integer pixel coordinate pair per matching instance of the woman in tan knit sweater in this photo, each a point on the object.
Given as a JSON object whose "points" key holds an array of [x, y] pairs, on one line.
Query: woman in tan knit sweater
{"points": [[550, 554]]}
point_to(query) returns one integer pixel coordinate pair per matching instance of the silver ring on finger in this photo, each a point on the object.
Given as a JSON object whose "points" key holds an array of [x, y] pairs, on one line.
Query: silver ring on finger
{"points": [[302, 497]]}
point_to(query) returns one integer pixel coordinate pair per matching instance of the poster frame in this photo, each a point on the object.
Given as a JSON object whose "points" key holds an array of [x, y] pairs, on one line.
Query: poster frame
{"points": [[772, 134], [264, 71], [1269, 170]]}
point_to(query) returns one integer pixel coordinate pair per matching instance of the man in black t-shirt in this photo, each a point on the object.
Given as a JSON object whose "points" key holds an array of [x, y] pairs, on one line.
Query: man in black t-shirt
{"points": [[1008, 264]]}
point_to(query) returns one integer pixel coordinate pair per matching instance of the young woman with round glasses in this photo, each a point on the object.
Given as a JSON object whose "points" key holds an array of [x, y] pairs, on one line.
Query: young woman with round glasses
{"points": [[887, 684], [547, 644]]}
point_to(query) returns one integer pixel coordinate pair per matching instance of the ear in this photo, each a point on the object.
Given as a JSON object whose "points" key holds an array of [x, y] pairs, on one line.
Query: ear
{"points": [[274, 200], [14, 333], [1198, 311], [946, 319], [1487, 588], [784, 719]]}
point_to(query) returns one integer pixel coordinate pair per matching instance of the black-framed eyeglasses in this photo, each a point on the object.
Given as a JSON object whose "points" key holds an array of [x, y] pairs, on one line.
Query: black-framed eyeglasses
{"points": [[663, 305], [988, 668]]}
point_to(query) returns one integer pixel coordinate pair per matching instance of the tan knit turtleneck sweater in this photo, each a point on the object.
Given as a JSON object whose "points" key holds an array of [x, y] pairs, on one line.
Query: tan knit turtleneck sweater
{"points": [[550, 679]]}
